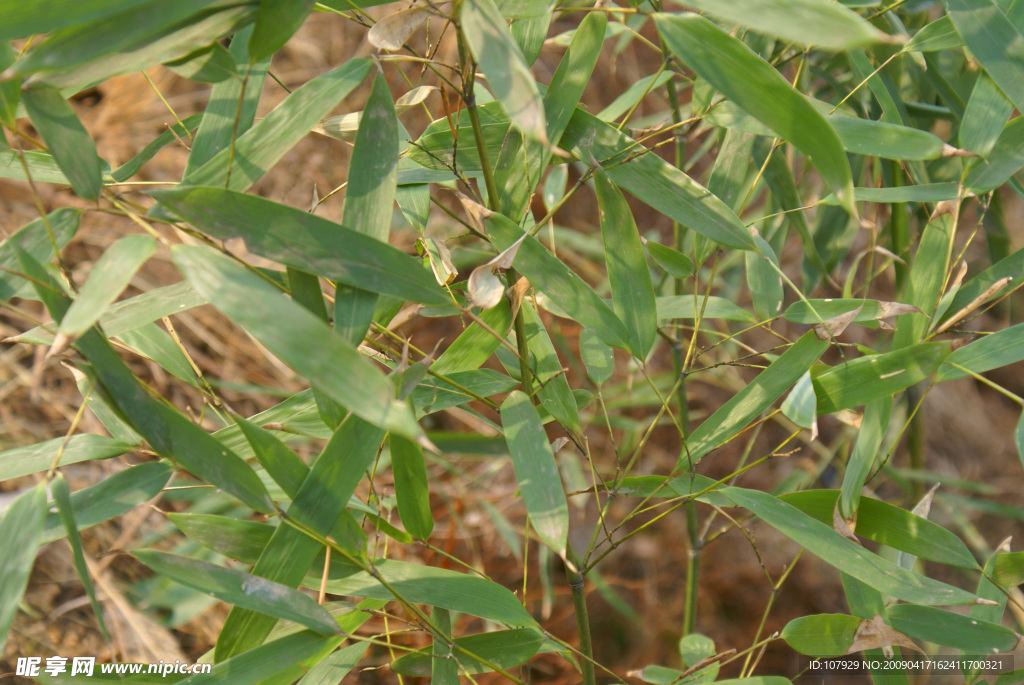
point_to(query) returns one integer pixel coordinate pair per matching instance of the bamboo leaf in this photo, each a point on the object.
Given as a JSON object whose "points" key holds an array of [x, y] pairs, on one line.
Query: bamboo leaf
{"points": [[674, 262], [1008, 569], [986, 115], [994, 41], [333, 668], [111, 274], [692, 306], [35, 240], [504, 648], [653, 181], [20, 530], [555, 394], [597, 357], [873, 377], [369, 200], [256, 150], [241, 589], [628, 275], [950, 629], [503, 64], [18, 20], [822, 541], [22, 461], [1003, 160], [801, 404], [476, 344], [819, 23], [392, 31], [211, 64], [873, 426], [552, 277], [749, 402], [276, 21], [67, 139], [305, 242], [62, 496], [743, 77], [111, 497], [411, 487], [298, 337], [535, 469], [821, 634], [999, 349]]}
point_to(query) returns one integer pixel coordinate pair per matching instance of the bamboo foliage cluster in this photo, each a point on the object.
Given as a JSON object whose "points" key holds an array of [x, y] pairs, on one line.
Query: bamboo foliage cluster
{"points": [[812, 181]]}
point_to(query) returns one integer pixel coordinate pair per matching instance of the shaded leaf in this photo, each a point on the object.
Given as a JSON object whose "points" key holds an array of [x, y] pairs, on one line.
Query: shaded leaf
{"points": [[597, 357], [504, 648], [62, 496], [950, 629], [211, 64], [20, 529], [411, 487], [67, 139], [22, 461], [821, 634], [276, 21]]}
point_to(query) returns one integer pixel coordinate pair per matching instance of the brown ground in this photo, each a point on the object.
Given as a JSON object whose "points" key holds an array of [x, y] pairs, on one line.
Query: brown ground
{"points": [[969, 432]]}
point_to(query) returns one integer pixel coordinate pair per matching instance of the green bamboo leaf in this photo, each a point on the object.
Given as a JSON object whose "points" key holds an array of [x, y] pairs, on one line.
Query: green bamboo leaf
{"points": [[74, 58], [434, 394], [111, 497], [18, 20], [999, 349], [950, 629], [305, 242], [369, 200], [711, 307], [889, 525], [35, 239], [986, 115], [800, 405], [436, 148], [429, 585], [298, 337], [241, 589], [812, 311], [1003, 160], [67, 139], [290, 656], [994, 41], [23, 461], [555, 395], [10, 90], [552, 277], [821, 634], [628, 275], [42, 167], [318, 505], [757, 396], [597, 357], [817, 23], [173, 133], [411, 487], [62, 496], [236, 539], [1019, 435], [502, 62], [276, 21], [1008, 569], [869, 378], [111, 274], [822, 541], [674, 262], [283, 465], [746, 79], [873, 426], [938, 35], [536, 471], [332, 669], [928, 192], [530, 34], [224, 120], [927, 277], [211, 64], [476, 344], [20, 530], [152, 342], [442, 667], [259, 148], [503, 648], [763, 280], [625, 101], [653, 181]]}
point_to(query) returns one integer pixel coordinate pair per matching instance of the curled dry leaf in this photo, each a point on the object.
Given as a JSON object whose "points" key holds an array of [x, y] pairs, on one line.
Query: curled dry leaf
{"points": [[391, 32], [850, 418], [874, 634], [974, 304], [344, 126], [476, 212], [414, 97], [830, 328], [844, 527], [485, 288]]}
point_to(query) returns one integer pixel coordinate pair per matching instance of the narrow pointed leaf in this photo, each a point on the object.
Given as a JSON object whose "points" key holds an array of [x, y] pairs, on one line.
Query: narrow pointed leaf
{"points": [[800, 406], [22, 461], [628, 275], [241, 589], [34, 238], [333, 668], [67, 139], [986, 115], [212, 64], [535, 469], [298, 337], [111, 274], [503, 64], [597, 357], [866, 379], [476, 344], [20, 530], [999, 349], [62, 496], [305, 242], [821, 634], [994, 40], [504, 648], [950, 629], [825, 543], [873, 426], [820, 23], [753, 84], [555, 394], [276, 21], [443, 668], [757, 396], [411, 487], [19, 20], [1004, 159]]}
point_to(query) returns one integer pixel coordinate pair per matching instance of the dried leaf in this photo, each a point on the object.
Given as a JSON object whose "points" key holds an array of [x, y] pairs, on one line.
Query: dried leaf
{"points": [[830, 328], [391, 32], [476, 212], [440, 258], [850, 418], [874, 634], [414, 97], [485, 288], [890, 309], [974, 304], [342, 127], [843, 526]]}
